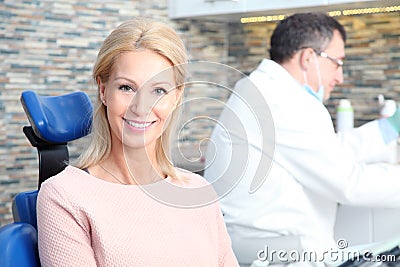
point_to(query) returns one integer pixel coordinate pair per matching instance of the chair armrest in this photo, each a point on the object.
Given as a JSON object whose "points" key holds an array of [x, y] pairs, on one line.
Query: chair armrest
{"points": [[18, 245]]}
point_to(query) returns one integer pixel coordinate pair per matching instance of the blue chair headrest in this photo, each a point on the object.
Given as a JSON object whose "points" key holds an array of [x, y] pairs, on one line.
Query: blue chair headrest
{"points": [[58, 119]]}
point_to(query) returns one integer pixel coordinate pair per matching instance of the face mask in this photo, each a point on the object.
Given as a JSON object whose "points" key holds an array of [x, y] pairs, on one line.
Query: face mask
{"points": [[321, 90], [319, 95]]}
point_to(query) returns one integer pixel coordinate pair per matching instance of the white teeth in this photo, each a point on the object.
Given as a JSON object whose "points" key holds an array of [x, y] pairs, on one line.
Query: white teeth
{"points": [[138, 125]]}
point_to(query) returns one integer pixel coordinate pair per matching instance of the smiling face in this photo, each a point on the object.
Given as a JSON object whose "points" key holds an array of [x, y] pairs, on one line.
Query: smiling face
{"points": [[139, 95]]}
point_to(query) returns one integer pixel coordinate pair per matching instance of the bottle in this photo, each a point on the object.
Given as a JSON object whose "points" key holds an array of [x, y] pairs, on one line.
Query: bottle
{"points": [[344, 116]]}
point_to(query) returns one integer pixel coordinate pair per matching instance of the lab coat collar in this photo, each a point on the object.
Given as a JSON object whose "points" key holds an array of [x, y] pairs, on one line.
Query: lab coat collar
{"points": [[270, 67]]}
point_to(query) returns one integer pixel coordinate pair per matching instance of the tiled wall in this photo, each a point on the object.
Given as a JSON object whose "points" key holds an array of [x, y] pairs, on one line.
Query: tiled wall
{"points": [[50, 47], [372, 64]]}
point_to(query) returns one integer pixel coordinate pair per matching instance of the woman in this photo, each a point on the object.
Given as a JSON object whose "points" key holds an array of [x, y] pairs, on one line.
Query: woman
{"points": [[96, 213]]}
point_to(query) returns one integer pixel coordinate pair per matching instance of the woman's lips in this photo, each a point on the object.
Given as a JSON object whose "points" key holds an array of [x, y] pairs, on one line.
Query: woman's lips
{"points": [[138, 125]]}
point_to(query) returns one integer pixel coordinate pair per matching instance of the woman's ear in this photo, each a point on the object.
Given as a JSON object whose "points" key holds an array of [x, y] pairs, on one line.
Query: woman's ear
{"points": [[306, 58], [102, 89]]}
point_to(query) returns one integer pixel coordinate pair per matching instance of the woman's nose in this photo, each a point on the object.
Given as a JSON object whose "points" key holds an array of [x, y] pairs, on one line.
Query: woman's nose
{"points": [[140, 104]]}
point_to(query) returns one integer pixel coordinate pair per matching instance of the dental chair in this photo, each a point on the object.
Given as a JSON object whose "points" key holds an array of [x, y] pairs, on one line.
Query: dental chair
{"points": [[55, 121]]}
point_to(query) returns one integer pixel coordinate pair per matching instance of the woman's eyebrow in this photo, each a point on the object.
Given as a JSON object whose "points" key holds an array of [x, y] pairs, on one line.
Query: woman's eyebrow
{"points": [[125, 78], [163, 83], [155, 83]]}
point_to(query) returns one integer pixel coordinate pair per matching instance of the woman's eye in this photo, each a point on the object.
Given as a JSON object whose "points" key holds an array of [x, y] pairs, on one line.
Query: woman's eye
{"points": [[160, 91], [125, 88]]}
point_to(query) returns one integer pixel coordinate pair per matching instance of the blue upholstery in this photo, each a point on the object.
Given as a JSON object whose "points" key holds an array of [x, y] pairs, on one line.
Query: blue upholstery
{"points": [[24, 207], [54, 118], [18, 245]]}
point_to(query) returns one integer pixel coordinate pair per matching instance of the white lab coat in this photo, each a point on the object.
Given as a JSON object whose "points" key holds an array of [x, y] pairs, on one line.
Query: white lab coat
{"points": [[313, 168]]}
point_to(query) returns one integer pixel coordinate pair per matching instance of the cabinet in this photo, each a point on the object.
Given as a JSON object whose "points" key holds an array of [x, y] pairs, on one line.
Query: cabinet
{"points": [[196, 8], [257, 5], [336, 2], [230, 10], [362, 225]]}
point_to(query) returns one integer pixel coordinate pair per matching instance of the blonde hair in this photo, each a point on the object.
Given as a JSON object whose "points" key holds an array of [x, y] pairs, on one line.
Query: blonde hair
{"points": [[133, 35]]}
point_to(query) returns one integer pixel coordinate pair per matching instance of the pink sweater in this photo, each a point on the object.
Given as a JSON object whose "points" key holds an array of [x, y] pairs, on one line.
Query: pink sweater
{"points": [[86, 221]]}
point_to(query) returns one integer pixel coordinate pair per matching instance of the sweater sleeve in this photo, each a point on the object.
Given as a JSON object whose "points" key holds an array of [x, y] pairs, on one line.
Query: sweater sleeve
{"points": [[226, 258], [64, 240]]}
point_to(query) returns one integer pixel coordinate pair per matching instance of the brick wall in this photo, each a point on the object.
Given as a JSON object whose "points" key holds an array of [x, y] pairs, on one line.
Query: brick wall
{"points": [[372, 64], [50, 47]]}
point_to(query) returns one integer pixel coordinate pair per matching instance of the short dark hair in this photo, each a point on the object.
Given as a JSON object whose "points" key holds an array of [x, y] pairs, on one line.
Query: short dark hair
{"points": [[302, 30]]}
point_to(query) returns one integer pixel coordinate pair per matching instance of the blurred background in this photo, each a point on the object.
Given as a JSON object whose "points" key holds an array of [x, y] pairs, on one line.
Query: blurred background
{"points": [[50, 47]]}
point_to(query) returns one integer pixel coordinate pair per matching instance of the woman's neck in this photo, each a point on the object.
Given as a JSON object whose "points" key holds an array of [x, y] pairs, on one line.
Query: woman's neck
{"points": [[140, 165]]}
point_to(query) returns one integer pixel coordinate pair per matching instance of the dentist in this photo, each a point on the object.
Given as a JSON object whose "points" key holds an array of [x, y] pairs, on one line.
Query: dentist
{"points": [[312, 168]]}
